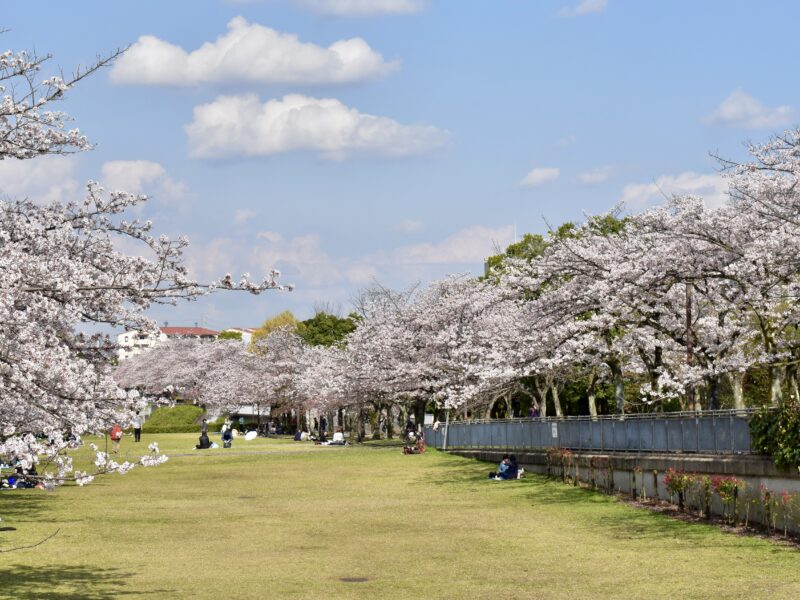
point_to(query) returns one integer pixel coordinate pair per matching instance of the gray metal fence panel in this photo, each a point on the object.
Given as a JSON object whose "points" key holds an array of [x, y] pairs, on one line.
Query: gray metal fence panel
{"points": [[724, 435], [607, 433], [659, 437], [707, 435], [674, 434], [690, 432], [721, 432], [632, 435], [619, 437], [589, 440], [741, 435]]}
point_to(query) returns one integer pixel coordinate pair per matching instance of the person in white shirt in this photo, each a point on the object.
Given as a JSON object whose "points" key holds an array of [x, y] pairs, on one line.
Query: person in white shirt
{"points": [[338, 437], [137, 427]]}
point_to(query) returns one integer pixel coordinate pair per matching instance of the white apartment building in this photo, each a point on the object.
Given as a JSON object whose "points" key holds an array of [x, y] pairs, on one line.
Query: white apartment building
{"points": [[132, 343]]}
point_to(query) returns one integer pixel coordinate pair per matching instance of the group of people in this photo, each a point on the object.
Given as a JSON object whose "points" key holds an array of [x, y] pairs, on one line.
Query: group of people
{"points": [[414, 440], [116, 432], [508, 469], [21, 478], [226, 433], [337, 440]]}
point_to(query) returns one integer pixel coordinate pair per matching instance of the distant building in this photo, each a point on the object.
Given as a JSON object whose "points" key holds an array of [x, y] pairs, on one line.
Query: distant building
{"points": [[132, 343], [200, 333]]}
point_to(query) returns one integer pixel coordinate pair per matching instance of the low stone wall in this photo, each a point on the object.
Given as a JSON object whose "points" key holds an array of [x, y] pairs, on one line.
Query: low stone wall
{"points": [[642, 475]]}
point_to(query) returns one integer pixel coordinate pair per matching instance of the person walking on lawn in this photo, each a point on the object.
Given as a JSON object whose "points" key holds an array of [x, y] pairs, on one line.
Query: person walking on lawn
{"points": [[116, 436]]}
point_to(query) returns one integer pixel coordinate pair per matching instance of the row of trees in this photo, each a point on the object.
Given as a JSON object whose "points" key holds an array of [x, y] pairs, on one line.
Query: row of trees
{"points": [[670, 308]]}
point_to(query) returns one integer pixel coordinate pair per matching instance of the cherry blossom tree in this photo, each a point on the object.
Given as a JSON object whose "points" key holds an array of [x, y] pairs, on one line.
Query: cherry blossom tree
{"points": [[61, 266]]}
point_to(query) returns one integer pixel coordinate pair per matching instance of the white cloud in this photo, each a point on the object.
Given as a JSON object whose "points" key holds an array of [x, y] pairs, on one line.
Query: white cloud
{"points": [[44, 180], [242, 216], [468, 246], [540, 175], [741, 110], [270, 236], [243, 126], [713, 188], [141, 177], [409, 226], [301, 259], [362, 8], [598, 175], [587, 7], [304, 261], [248, 53]]}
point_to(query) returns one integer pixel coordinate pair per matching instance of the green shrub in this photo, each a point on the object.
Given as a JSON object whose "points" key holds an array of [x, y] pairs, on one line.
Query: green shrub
{"points": [[183, 418], [777, 433]]}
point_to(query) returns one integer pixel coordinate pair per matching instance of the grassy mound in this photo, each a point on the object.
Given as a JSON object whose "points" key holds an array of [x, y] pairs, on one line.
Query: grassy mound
{"points": [[183, 418]]}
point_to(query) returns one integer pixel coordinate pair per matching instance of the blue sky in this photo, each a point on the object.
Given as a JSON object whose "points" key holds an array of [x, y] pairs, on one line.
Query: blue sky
{"points": [[451, 123]]}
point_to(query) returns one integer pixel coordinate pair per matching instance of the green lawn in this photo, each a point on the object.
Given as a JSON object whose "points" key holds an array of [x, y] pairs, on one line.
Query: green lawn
{"points": [[275, 519]]}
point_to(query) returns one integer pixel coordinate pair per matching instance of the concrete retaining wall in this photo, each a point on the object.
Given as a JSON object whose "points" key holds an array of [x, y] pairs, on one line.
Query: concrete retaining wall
{"points": [[642, 475]]}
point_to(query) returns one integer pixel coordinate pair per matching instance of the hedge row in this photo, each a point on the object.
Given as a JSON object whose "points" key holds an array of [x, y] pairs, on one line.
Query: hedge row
{"points": [[183, 418]]}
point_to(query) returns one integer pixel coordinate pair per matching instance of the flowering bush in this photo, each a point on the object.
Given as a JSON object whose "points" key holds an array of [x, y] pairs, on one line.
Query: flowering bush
{"points": [[729, 490], [677, 483], [766, 500], [787, 502]]}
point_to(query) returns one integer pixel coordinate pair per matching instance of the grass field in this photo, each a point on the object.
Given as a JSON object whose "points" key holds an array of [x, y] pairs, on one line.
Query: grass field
{"points": [[275, 519]]}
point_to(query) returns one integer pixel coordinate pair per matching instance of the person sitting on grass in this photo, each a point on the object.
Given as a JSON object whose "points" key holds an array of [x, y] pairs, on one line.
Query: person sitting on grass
{"points": [[205, 443], [227, 437], [421, 442], [511, 469], [501, 468], [338, 438]]}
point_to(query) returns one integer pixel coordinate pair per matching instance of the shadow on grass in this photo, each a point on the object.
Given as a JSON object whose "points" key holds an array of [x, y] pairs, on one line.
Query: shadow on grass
{"points": [[23, 505], [590, 506], [383, 443], [81, 583]]}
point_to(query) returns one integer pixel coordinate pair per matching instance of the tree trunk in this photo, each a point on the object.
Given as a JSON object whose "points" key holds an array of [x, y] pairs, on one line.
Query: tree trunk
{"points": [[556, 399], [619, 385], [690, 392], [591, 392], [736, 380], [389, 423], [713, 392], [541, 396], [776, 389], [360, 426]]}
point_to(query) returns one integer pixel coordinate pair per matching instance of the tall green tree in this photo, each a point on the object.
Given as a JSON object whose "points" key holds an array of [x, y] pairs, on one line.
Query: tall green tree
{"points": [[281, 320], [324, 329]]}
